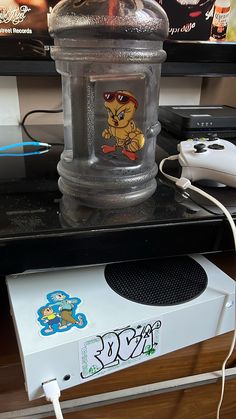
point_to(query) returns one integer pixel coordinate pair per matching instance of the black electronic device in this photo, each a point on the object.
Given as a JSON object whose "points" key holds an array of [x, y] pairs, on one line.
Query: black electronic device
{"points": [[196, 121]]}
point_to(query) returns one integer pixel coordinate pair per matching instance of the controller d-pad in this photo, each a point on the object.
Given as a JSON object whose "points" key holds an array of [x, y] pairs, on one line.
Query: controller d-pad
{"points": [[216, 147], [200, 148]]}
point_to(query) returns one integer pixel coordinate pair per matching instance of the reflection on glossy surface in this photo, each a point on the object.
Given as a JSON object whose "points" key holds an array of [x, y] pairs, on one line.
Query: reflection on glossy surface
{"points": [[31, 203], [166, 205], [197, 204], [74, 215]]}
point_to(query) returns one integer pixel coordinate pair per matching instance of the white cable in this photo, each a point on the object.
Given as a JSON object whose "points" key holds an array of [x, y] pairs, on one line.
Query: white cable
{"points": [[223, 373], [57, 408], [184, 183], [221, 206], [172, 178], [52, 393]]}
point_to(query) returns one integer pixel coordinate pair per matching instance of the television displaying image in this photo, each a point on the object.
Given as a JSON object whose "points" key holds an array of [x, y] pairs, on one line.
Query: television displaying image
{"points": [[201, 20], [201, 31], [24, 28]]}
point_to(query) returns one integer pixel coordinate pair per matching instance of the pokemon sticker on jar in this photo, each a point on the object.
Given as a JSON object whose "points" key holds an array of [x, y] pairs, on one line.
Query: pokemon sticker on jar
{"points": [[121, 106]]}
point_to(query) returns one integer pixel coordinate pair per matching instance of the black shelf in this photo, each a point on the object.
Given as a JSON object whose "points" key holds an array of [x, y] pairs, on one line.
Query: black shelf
{"points": [[200, 59], [204, 59], [47, 68], [78, 247], [27, 68], [199, 69]]}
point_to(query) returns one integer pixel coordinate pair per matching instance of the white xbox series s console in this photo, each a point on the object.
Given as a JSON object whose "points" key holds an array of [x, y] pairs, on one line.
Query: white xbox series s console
{"points": [[79, 324], [209, 159]]}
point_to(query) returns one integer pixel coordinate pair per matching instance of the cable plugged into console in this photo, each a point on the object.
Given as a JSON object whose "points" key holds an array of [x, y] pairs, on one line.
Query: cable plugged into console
{"points": [[52, 393]]}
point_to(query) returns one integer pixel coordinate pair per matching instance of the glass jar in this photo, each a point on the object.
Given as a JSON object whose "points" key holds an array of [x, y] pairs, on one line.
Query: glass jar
{"points": [[109, 55]]}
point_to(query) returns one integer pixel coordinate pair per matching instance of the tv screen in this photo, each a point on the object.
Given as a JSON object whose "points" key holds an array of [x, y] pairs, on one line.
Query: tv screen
{"points": [[200, 31], [201, 20], [24, 28]]}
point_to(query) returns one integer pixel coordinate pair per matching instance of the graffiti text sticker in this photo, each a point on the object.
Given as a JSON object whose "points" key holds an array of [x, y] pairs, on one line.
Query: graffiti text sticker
{"points": [[100, 355]]}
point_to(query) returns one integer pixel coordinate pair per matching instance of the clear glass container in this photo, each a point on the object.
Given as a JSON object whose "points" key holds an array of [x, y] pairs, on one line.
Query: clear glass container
{"points": [[109, 54]]}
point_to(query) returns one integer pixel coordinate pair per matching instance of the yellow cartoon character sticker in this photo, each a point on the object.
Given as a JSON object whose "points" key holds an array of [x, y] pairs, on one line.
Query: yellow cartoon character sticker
{"points": [[121, 107]]}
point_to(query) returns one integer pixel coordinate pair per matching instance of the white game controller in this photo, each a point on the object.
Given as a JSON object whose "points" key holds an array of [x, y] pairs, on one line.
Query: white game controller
{"points": [[210, 159]]}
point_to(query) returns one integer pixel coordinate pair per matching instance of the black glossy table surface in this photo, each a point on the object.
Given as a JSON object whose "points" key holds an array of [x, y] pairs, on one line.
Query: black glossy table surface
{"points": [[34, 235]]}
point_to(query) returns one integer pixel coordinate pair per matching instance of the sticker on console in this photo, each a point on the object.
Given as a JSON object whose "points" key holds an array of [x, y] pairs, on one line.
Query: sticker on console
{"points": [[59, 314], [118, 349]]}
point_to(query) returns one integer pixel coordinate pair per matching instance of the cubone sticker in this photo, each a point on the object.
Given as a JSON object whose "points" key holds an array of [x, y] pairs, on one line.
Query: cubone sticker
{"points": [[60, 314]]}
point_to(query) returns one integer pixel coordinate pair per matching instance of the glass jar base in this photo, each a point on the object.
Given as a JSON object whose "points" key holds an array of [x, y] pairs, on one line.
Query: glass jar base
{"points": [[108, 198]]}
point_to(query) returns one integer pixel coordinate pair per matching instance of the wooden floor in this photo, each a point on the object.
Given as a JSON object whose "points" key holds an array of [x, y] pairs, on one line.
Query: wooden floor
{"points": [[195, 403]]}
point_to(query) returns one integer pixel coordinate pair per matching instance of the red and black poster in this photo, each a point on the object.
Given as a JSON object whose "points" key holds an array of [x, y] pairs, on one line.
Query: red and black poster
{"points": [[201, 20]]}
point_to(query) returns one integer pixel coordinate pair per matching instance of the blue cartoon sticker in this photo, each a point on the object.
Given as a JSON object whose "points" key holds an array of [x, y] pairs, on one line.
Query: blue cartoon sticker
{"points": [[59, 314]]}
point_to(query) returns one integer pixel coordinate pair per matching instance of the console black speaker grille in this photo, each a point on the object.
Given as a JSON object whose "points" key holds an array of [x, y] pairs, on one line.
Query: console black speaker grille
{"points": [[158, 282]]}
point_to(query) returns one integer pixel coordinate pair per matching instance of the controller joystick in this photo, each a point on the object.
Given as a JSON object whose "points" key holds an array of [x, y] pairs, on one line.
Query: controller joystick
{"points": [[200, 148]]}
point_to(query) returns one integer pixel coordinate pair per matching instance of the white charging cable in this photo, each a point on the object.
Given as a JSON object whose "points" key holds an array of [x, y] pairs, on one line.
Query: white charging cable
{"points": [[184, 184], [52, 393]]}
